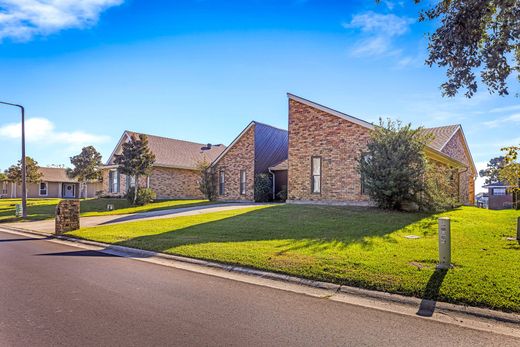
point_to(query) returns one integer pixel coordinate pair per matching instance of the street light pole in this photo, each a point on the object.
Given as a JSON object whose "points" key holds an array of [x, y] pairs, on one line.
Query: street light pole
{"points": [[24, 169]]}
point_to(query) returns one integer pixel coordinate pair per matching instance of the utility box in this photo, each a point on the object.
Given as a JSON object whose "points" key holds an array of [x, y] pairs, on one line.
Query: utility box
{"points": [[18, 210], [444, 243], [110, 207], [67, 216]]}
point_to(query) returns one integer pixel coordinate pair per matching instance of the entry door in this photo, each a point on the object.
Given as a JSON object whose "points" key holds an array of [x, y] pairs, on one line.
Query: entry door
{"points": [[68, 191]]}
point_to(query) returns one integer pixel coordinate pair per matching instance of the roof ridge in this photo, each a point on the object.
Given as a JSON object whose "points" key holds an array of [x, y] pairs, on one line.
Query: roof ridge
{"points": [[171, 138]]}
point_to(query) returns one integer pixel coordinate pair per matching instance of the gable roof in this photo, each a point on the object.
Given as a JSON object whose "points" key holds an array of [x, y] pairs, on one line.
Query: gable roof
{"points": [[271, 144], [441, 135], [172, 152], [55, 174]]}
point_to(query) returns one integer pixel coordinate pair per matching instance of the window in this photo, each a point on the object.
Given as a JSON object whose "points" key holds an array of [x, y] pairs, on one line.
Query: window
{"points": [[221, 182], [363, 179], [130, 182], [43, 188], [4, 188], [316, 175], [113, 181], [243, 182], [499, 191]]}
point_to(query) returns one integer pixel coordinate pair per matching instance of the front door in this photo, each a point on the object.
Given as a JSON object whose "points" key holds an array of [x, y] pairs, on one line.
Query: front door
{"points": [[68, 191]]}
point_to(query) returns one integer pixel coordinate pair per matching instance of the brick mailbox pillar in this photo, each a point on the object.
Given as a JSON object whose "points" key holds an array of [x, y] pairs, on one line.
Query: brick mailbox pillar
{"points": [[67, 216]]}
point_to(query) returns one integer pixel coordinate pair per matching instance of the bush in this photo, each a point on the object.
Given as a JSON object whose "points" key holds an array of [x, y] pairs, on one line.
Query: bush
{"points": [[144, 196], [263, 188], [393, 166], [441, 191], [282, 194]]}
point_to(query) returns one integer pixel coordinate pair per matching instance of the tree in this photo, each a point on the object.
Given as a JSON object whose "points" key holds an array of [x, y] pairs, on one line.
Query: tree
{"points": [[136, 159], [475, 35], [510, 173], [207, 182], [33, 174], [86, 166], [3, 177], [492, 171], [393, 166]]}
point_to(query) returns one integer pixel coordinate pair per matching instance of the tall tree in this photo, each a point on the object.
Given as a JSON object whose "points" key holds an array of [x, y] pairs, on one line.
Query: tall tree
{"points": [[136, 159], [474, 36], [510, 173], [86, 166], [492, 171], [33, 174]]}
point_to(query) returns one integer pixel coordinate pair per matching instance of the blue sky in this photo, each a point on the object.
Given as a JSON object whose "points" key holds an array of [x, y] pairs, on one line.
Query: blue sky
{"points": [[201, 70]]}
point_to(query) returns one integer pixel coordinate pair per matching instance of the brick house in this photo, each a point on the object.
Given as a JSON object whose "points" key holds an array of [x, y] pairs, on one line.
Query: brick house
{"points": [[324, 146], [256, 148], [175, 173], [54, 183], [499, 196]]}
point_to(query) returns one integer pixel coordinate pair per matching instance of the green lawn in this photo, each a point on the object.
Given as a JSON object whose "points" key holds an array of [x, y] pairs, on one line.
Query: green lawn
{"points": [[39, 209], [360, 247]]}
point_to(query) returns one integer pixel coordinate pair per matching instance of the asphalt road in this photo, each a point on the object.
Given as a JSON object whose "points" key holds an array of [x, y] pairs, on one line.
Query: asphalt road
{"points": [[57, 295]]}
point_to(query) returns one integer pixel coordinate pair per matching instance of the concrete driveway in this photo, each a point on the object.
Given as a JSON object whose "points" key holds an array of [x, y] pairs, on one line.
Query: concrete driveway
{"points": [[47, 226]]}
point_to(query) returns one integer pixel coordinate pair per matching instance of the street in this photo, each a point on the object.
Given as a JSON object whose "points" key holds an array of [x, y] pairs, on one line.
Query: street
{"points": [[52, 294]]}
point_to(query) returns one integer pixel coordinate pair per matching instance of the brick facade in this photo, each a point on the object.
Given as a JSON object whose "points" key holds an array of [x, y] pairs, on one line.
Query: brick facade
{"points": [[338, 142], [241, 156], [171, 183], [167, 183], [455, 148]]}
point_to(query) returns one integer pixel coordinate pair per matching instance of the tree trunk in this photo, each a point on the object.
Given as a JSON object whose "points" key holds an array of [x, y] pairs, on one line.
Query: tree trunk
{"points": [[136, 188]]}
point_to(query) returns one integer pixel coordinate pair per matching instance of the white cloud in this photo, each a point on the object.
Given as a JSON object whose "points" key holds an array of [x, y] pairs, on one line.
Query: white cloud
{"points": [[23, 19], [514, 118], [380, 31], [505, 109], [42, 131]]}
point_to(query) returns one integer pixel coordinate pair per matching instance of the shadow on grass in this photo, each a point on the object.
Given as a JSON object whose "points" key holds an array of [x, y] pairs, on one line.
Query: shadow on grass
{"points": [[431, 293], [303, 227]]}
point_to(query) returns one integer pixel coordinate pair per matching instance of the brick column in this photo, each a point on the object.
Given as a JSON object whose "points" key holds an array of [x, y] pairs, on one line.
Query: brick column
{"points": [[67, 216]]}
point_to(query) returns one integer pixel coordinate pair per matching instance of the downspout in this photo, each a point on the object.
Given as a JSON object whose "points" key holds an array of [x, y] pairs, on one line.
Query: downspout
{"points": [[274, 183]]}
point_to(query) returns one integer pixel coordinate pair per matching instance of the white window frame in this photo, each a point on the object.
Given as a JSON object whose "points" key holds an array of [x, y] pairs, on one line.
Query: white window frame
{"points": [[46, 189], [316, 188], [222, 182], [113, 181], [243, 182], [502, 191]]}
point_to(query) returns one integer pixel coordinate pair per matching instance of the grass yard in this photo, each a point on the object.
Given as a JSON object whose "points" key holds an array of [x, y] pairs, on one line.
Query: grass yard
{"points": [[39, 209], [360, 247]]}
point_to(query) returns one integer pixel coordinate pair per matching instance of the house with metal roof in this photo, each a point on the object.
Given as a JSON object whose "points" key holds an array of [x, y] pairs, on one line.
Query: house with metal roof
{"points": [[54, 183], [175, 174], [325, 144], [258, 147]]}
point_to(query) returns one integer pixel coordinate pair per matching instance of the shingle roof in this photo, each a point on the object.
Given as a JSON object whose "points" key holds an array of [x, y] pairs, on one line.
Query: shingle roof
{"points": [[283, 165], [54, 174], [180, 154], [440, 135]]}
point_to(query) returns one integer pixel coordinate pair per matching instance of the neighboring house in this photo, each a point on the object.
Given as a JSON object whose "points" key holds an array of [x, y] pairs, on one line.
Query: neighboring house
{"points": [[254, 151], [175, 173], [481, 200], [324, 147], [499, 196], [54, 183]]}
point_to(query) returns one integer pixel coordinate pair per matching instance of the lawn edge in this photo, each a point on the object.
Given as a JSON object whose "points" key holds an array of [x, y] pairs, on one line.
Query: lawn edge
{"points": [[381, 296]]}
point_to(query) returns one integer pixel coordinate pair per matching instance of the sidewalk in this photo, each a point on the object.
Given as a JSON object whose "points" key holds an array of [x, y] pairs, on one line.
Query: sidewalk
{"points": [[47, 226]]}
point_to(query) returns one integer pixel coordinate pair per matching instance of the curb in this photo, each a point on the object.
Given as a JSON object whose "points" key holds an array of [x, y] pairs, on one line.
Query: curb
{"points": [[422, 305]]}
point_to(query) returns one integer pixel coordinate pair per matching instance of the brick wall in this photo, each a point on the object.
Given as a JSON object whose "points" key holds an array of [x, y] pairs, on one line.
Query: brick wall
{"points": [[239, 157], [338, 142], [455, 148], [171, 183]]}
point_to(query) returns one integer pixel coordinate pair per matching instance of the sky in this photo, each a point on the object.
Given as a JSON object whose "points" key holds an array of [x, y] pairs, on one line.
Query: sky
{"points": [[201, 70]]}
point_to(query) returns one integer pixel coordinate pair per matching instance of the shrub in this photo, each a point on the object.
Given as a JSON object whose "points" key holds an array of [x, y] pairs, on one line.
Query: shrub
{"points": [[393, 166], [263, 188], [207, 181], [441, 191], [144, 196], [282, 194]]}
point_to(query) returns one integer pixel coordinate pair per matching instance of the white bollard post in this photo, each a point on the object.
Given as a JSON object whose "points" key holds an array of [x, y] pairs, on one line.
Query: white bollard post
{"points": [[444, 243]]}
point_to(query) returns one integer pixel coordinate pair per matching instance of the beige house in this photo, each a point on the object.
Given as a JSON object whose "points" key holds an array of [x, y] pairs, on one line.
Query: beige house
{"points": [[54, 184], [325, 144], [175, 174]]}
